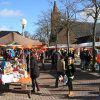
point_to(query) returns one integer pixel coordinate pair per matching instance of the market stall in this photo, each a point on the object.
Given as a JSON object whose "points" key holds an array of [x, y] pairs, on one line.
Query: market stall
{"points": [[15, 72]]}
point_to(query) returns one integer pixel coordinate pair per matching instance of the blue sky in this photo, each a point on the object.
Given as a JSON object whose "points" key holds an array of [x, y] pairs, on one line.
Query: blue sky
{"points": [[12, 11]]}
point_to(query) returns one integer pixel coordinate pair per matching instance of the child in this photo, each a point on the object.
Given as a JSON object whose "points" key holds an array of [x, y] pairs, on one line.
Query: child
{"points": [[70, 74]]}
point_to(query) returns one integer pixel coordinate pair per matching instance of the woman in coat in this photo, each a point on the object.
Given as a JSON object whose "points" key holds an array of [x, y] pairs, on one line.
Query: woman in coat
{"points": [[60, 70], [34, 72]]}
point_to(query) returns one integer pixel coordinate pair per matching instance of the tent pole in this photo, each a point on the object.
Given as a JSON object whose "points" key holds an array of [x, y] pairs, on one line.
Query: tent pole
{"points": [[29, 64], [23, 56]]}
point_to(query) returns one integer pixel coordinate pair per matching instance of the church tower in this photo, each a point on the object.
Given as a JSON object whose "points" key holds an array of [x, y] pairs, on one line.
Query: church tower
{"points": [[55, 17]]}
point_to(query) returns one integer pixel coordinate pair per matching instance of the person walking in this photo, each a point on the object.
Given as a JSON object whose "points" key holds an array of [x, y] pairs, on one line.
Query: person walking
{"points": [[42, 58], [89, 59], [34, 72], [70, 69], [53, 60], [83, 57], [27, 62], [98, 60], [60, 70]]}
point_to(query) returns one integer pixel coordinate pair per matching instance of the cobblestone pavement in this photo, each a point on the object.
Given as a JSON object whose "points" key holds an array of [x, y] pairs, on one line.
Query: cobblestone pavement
{"points": [[86, 87]]}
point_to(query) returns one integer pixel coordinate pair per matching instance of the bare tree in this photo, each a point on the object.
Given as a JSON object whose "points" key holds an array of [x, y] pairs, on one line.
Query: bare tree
{"points": [[27, 34], [44, 27], [68, 17]]}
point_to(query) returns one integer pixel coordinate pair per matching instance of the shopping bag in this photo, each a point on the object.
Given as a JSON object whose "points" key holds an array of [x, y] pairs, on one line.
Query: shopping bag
{"points": [[65, 79], [61, 78], [72, 77]]}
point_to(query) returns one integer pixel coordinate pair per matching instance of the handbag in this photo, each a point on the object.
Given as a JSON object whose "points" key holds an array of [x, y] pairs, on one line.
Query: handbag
{"points": [[61, 78], [65, 79], [72, 77]]}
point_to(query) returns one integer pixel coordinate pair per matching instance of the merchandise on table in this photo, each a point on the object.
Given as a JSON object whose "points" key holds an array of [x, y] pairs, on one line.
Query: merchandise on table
{"points": [[6, 67], [12, 71], [7, 78]]}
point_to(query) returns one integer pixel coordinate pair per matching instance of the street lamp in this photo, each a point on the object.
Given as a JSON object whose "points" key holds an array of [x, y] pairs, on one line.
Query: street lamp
{"points": [[23, 23]]}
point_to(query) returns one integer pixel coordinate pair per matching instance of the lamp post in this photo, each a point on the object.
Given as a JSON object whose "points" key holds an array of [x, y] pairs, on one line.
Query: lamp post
{"points": [[23, 23]]}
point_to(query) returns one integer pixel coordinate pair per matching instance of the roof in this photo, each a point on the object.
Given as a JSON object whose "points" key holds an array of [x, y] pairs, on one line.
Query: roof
{"points": [[17, 38], [82, 29], [78, 30], [3, 33]]}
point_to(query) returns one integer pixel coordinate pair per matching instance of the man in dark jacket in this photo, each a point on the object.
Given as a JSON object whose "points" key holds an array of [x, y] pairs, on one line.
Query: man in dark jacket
{"points": [[34, 72], [42, 58], [27, 62], [83, 57]]}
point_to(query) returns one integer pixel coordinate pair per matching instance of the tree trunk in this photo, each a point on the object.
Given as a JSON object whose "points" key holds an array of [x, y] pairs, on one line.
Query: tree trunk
{"points": [[68, 42], [94, 50], [56, 41]]}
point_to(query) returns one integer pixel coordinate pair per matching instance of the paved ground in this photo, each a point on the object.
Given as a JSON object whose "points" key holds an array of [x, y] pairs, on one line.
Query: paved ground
{"points": [[86, 87]]}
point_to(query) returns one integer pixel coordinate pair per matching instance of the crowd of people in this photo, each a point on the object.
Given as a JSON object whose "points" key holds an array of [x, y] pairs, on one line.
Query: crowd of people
{"points": [[86, 57], [62, 63]]}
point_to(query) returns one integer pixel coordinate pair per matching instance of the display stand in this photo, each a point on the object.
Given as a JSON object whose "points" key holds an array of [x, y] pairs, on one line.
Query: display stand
{"points": [[24, 85]]}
